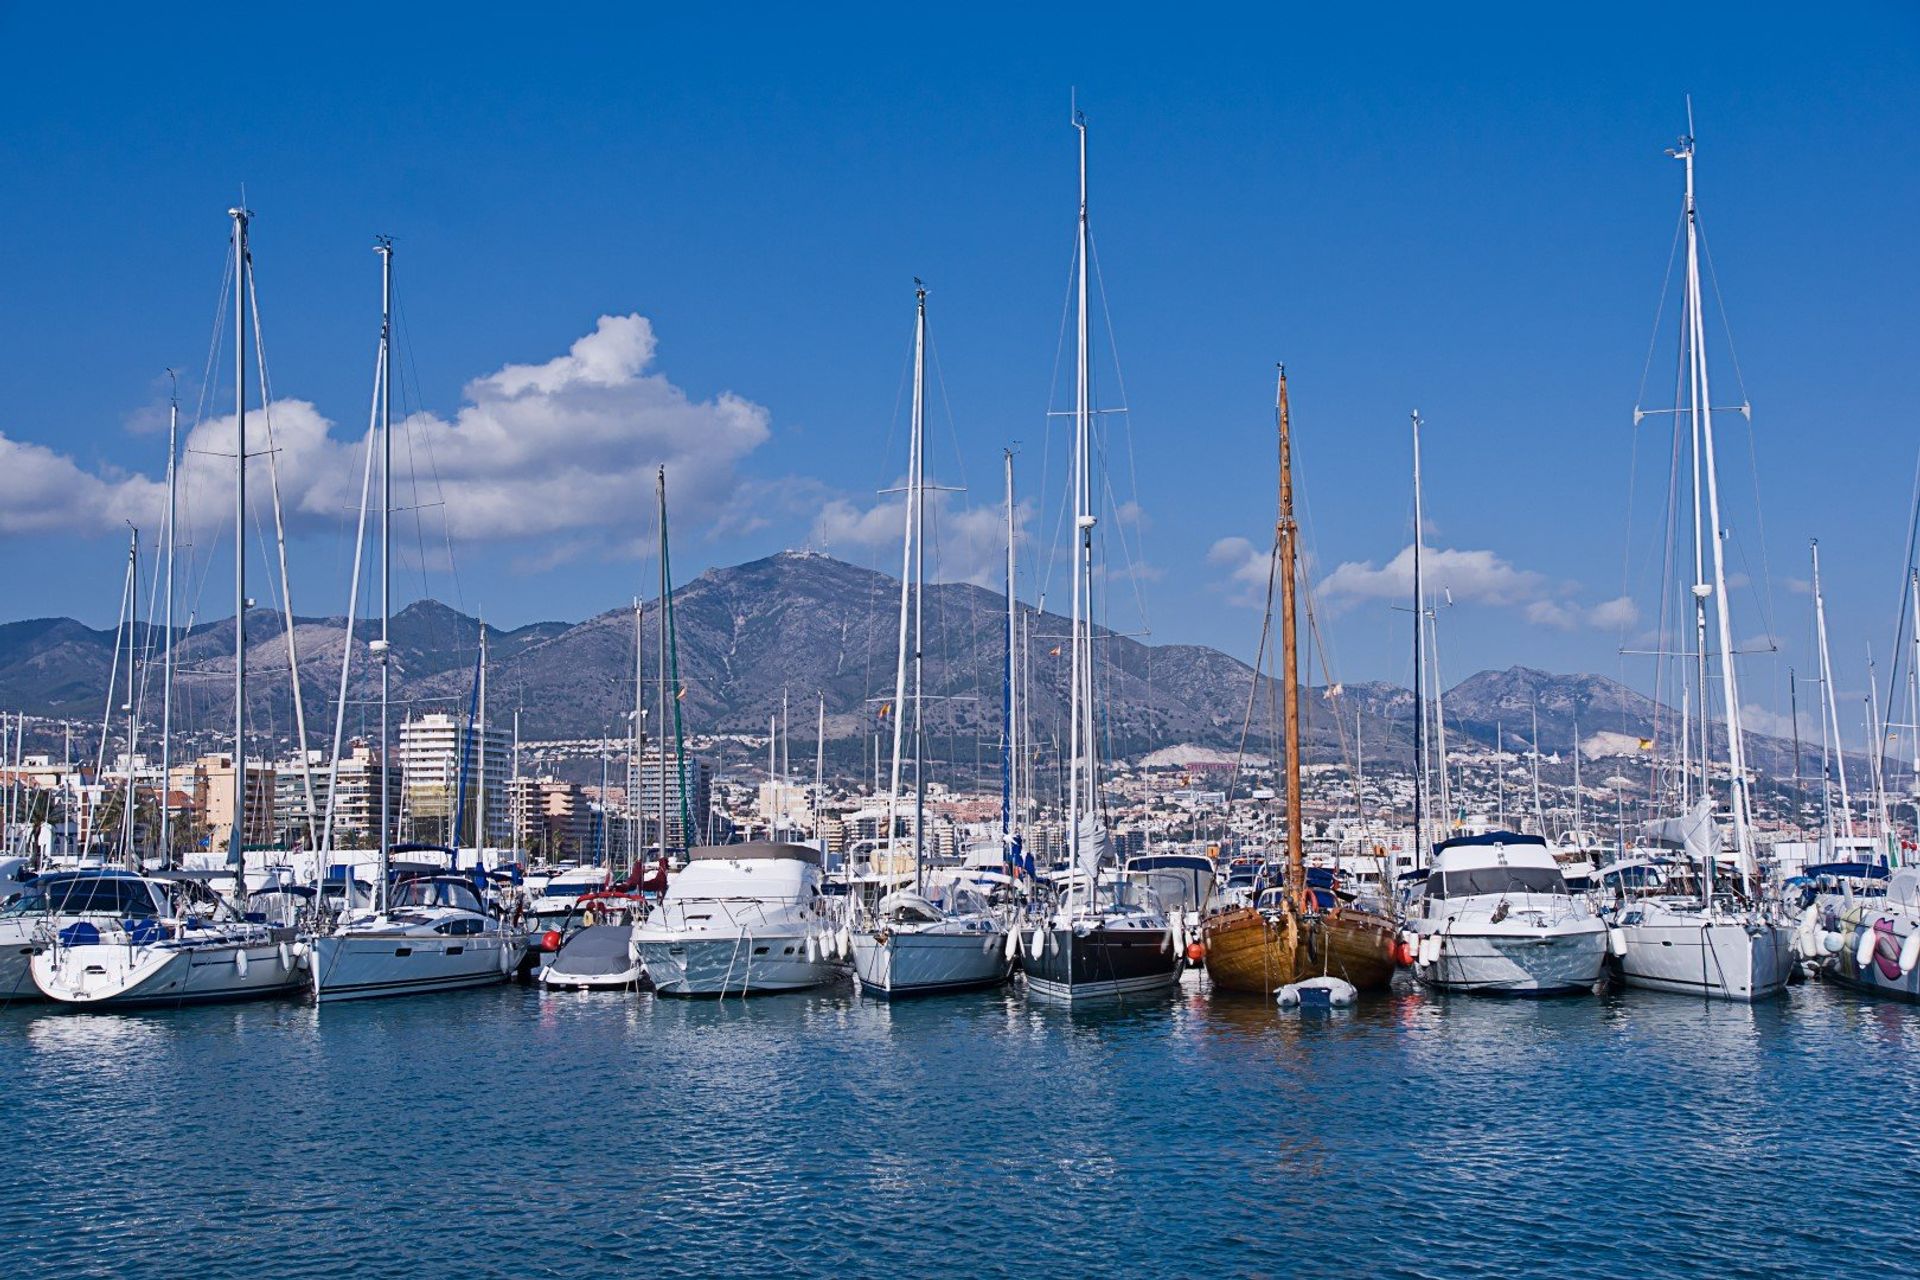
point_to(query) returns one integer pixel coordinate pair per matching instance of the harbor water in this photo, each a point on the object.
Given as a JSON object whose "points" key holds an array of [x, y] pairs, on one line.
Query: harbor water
{"points": [[511, 1132]]}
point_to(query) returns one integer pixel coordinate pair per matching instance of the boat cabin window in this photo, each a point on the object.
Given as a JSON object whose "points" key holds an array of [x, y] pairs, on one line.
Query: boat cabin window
{"points": [[1468, 882], [437, 892]]}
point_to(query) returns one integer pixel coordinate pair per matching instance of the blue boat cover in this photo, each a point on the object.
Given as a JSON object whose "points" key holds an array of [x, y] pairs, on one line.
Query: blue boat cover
{"points": [[1491, 837]]}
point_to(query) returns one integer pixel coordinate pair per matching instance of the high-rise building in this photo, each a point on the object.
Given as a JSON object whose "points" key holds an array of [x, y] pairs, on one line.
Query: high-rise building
{"points": [[433, 748], [555, 819], [356, 805], [648, 790], [209, 781]]}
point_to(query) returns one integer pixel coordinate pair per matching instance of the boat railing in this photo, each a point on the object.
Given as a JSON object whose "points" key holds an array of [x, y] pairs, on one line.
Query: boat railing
{"points": [[737, 913]]}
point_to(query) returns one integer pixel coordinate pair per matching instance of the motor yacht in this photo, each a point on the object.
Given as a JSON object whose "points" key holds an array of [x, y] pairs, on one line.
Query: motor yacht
{"points": [[739, 920], [1494, 916]]}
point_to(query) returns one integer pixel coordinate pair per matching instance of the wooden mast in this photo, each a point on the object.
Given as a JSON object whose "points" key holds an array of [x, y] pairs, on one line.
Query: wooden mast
{"points": [[1286, 532]]}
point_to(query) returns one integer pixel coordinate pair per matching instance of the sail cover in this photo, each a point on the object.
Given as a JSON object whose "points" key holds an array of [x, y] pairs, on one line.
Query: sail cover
{"points": [[1696, 834]]}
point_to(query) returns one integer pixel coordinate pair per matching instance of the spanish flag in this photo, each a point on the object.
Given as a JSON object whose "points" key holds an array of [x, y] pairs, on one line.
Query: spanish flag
{"points": [[886, 709], [1646, 744], [1054, 652]]}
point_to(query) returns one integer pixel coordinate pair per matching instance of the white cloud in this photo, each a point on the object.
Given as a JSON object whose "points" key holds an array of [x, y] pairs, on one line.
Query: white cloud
{"points": [[964, 544], [536, 452], [1552, 613], [1614, 615], [46, 492], [1479, 576], [1246, 567], [1758, 719]]}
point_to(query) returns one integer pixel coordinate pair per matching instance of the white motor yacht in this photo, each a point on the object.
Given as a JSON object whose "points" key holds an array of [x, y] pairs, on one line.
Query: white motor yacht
{"points": [[1495, 916], [198, 950], [434, 934], [739, 920], [554, 903]]}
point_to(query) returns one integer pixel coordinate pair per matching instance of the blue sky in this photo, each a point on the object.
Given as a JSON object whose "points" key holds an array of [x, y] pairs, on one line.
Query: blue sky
{"points": [[1465, 211]]}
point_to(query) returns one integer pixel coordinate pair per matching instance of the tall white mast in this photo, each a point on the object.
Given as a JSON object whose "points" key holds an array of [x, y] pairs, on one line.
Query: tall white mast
{"points": [[908, 560], [1420, 797], [383, 650], [1082, 784], [236, 842], [660, 733], [480, 753], [128, 807], [166, 660], [1703, 418], [1829, 707], [1010, 702]]}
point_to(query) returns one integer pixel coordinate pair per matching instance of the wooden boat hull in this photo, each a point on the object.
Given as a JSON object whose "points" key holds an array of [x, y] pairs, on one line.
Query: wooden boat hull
{"points": [[1248, 952]]}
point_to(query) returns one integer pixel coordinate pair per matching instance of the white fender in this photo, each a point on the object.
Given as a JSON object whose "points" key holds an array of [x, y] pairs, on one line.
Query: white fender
{"points": [[1806, 938], [286, 957], [813, 949], [1869, 943], [1909, 953], [1013, 943], [1617, 941], [1053, 944], [1039, 940], [1830, 942], [506, 957], [240, 962], [846, 942], [1430, 947]]}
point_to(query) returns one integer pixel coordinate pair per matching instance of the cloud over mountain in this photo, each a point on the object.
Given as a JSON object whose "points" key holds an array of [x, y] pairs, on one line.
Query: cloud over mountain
{"points": [[535, 452]]}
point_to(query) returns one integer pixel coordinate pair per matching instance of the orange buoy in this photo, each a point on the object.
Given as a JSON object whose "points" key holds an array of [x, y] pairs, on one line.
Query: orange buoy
{"points": [[1196, 952], [1403, 955], [550, 940]]}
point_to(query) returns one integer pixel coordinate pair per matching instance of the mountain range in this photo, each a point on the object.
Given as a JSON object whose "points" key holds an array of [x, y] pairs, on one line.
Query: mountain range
{"points": [[799, 626]]}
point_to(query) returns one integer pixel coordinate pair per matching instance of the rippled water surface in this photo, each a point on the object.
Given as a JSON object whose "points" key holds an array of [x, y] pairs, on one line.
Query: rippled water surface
{"points": [[515, 1133]]}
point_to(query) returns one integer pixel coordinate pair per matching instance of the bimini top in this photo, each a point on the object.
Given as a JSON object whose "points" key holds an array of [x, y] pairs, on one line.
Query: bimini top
{"points": [[1490, 837], [754, 851]]}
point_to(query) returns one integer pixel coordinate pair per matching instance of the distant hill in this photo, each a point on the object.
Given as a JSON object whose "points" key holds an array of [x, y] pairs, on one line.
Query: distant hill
{"points": [[805, 625]]}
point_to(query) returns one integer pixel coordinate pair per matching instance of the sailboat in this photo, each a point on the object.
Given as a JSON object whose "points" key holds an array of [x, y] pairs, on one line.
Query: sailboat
{"points": [[202, 948], [1295, 933], [1683, 929], [927, 938], [1107, 936], [431, 932]]}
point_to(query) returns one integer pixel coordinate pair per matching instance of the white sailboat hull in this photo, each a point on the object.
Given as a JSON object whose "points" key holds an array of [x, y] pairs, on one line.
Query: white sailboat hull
{"points": [[1723, 959], [909, 962], [366, 965], [123, 975]]}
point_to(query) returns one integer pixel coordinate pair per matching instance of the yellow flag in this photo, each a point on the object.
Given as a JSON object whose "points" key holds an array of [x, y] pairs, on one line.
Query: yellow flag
{"points": [[1646, 744]]}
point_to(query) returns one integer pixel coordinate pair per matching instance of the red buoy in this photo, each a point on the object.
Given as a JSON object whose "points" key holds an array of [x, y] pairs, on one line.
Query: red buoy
{"points": [[550, 940], [1403, 955], [1196, 952]]}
